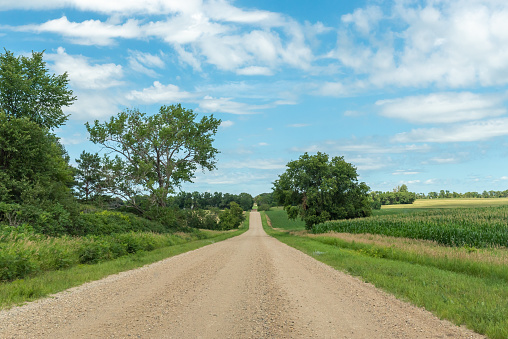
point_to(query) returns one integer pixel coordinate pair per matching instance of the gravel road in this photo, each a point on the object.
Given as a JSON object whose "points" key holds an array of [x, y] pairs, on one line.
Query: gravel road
{"points": [[250, 286]]}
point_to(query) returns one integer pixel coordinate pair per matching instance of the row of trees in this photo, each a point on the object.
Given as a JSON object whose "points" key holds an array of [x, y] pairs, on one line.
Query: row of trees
{"points": [[399, 195], [207, 200], [443, 194]]}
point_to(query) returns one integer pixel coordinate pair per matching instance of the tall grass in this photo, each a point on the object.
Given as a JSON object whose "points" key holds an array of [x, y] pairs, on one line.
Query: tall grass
{"points": [[25, 253]]}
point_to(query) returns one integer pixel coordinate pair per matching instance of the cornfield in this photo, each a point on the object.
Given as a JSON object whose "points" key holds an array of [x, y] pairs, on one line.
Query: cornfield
{"points": [[474, 227]]}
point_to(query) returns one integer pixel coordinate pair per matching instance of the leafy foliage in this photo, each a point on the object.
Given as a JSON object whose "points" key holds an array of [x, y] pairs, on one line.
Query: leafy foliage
{"points": [[196, 200], [231, 217], [318, 189], [35, 176], [27, 90], [154, 154]]}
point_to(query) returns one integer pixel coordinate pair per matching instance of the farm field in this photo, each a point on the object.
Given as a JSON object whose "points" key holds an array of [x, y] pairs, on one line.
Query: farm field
{"points": [[463, 281], [442, 203]]}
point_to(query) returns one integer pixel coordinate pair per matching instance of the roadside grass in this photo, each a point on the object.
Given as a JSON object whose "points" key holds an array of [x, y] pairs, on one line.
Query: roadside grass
{"points": [[466, 286], [24, 290]]}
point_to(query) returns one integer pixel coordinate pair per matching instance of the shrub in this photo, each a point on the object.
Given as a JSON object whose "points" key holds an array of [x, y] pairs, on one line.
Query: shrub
{"points": [[231, 217]]}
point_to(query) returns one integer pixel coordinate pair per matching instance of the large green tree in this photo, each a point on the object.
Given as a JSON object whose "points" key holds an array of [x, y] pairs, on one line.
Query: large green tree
{"points": [[34, 170], [154, 154], [318, 189], [27, 89]]}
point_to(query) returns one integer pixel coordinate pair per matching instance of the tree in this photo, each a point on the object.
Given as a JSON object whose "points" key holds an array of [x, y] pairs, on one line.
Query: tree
{"points": [[154, 154], [28, 90], [35, 176], [245, 201], [88, 175], [318, 189], [231, 217]]}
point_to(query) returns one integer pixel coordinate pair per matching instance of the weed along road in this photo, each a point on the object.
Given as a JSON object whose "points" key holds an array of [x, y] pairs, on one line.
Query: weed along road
{"points": [[250, 286]]}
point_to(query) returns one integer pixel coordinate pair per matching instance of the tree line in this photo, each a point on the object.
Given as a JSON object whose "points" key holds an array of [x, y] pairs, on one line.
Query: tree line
{"points": [[147, 159], [444, 194]]}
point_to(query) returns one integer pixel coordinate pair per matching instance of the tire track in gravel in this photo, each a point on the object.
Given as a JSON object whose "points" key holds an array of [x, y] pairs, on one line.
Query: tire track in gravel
{"points": [[250, 286]]}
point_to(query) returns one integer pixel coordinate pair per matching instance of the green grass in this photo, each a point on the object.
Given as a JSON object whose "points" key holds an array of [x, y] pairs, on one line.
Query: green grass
{"points": [[471, 296], [279, 217], [24, 290]]}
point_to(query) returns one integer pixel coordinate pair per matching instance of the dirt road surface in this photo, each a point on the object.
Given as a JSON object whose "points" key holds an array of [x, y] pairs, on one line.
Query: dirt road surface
{"points": [[250, 286]]}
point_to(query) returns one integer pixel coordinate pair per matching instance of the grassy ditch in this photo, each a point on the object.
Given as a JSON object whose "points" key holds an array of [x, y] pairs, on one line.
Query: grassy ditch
{"points": [[464, 285], [47, 282]]}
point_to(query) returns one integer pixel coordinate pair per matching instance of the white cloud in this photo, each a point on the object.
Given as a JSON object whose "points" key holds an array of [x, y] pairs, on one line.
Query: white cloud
{"points": [[226, 123], [443, 107], [226, 105], [263, 164], [92, 104], [254, 70], [82, 74], [404, 172], [108, 7], [364, 19], [145, 62], [445, 43], [159, 93], [263, 144], [472, 131], [369, 163], [88, 32], [333, 89], [449, 160]]}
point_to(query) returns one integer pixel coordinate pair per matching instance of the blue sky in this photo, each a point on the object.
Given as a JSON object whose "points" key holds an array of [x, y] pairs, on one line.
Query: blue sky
{"points": [[410, 92]]}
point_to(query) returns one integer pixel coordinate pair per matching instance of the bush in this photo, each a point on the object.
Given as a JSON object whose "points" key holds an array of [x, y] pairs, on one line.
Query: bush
{"points": [[232, 217]]}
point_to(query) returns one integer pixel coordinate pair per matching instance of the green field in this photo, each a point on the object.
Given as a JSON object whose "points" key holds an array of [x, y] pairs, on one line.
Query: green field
{"points": [[279, 217]]}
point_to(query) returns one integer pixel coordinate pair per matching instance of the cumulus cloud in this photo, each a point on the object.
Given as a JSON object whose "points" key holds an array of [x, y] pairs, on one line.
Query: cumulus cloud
{"points": [[88, 32], [364, 19], [159, 93], [247, 42], [443, 107], [445, 43], [226, 123], [83, 74]]}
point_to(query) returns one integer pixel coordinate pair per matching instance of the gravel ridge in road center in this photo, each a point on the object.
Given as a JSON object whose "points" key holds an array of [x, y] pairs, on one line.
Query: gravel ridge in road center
{"points": [[249, 286]]}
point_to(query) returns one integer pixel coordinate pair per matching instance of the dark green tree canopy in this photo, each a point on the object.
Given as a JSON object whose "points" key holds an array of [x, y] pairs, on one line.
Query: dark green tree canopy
{"points": [[319, 189], [156, 153], [33, 164], [28, 90]]}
